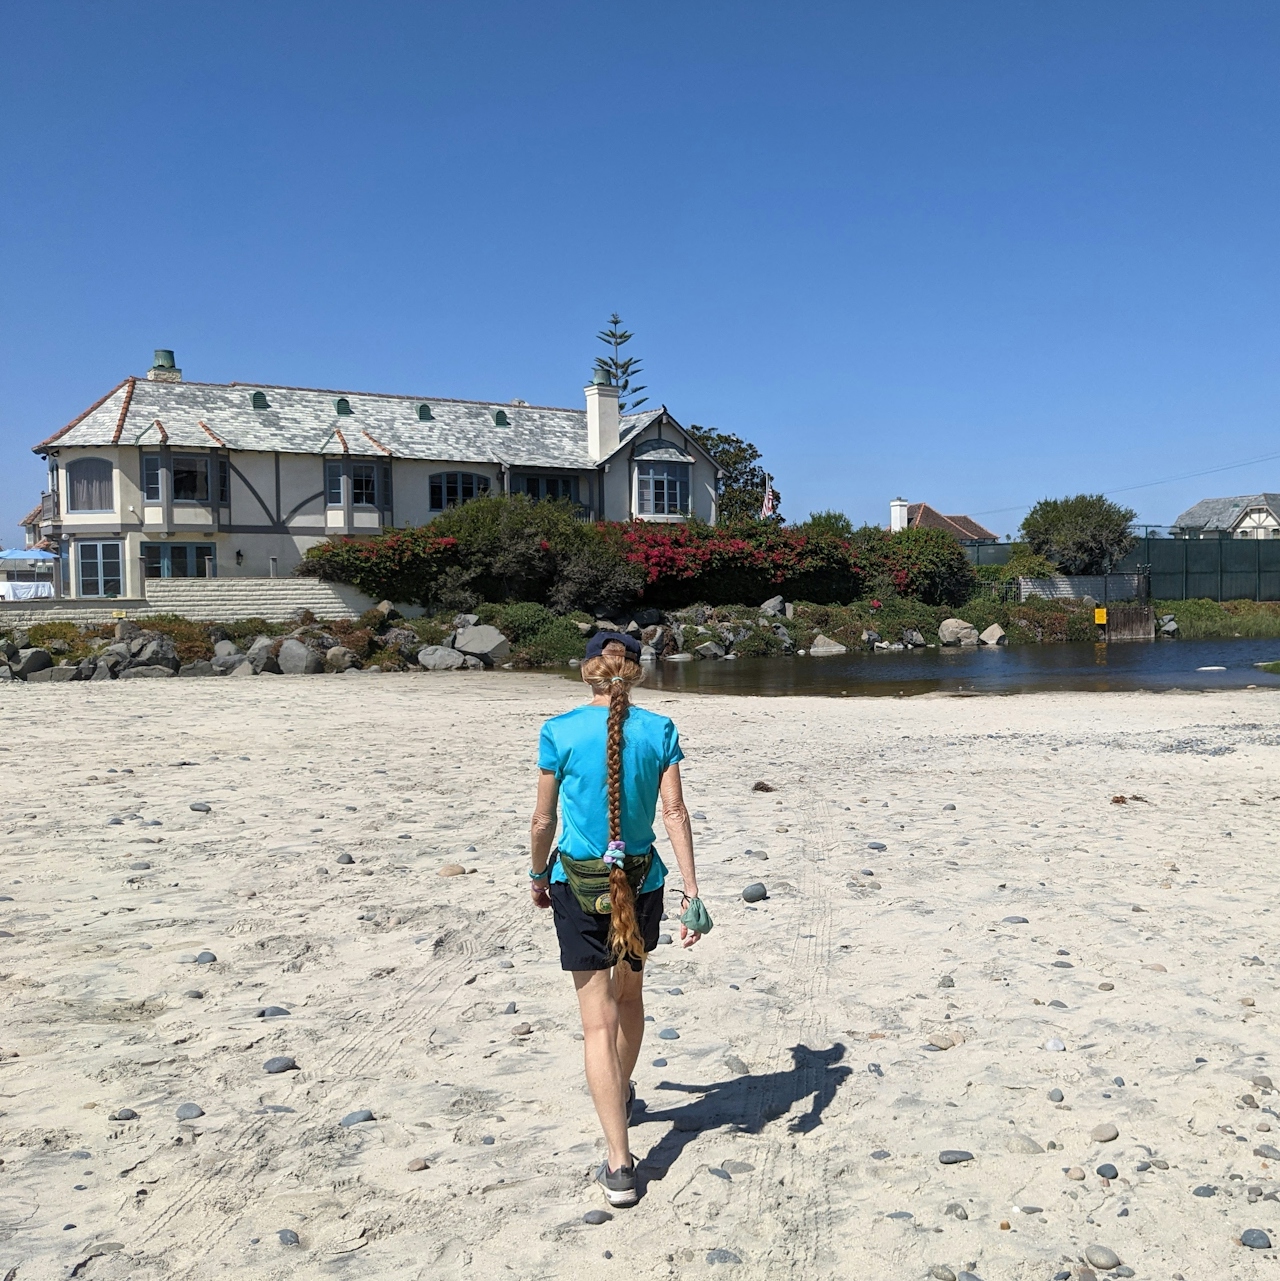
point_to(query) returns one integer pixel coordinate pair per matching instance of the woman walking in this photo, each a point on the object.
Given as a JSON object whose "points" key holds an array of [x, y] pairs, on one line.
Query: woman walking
{"points": [[605, 765]]}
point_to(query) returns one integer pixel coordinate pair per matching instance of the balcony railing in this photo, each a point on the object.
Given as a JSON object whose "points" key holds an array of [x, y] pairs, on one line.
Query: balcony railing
{"points": [[48, 508]]}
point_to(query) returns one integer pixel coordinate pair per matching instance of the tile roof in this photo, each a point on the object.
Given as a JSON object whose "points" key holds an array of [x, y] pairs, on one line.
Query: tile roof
{"points": [[922, 516], [1223, 513], [303, 420]]}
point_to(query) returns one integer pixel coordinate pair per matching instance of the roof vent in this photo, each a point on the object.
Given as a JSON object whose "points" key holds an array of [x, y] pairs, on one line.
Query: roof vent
{"points": [[424, 414], [343, 407], [163, 370], [601, 378], [500, 418], [518, 401], [260, 400]]}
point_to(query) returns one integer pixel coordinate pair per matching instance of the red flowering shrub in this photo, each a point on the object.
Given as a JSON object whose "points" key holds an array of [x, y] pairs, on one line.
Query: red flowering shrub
{"points": [[509, 549]]}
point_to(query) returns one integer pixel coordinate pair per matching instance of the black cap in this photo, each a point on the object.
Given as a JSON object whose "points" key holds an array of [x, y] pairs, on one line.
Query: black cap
{"points": [[595, 646]]}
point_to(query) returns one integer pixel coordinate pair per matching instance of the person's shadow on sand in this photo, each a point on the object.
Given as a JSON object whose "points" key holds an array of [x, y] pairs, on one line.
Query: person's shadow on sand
{"points": [[748, 1103]]}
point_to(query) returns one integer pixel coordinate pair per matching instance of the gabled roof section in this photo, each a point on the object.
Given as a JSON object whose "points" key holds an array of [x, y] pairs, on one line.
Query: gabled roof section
{"points": [[31, 518], [965, 528], [1225, 513], [306, 421]]}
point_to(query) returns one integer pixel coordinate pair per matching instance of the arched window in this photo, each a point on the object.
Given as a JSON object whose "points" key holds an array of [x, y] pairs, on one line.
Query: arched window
{"points": [[90, 483], [424, 414], [449, 488], [500, 418], [260, 400], [343, 406]]}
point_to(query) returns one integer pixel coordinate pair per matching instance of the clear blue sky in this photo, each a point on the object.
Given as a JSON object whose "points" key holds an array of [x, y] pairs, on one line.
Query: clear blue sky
{"points": [[970, 253]]}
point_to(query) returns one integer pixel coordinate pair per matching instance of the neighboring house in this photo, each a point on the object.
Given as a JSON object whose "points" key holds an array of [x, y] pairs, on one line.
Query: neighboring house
{"points": [[1250, 516], [905, 515], [165, 478]]}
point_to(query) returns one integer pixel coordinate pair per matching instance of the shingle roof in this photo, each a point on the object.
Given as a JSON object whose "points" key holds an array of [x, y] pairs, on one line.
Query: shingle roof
{"points": [[304, 420], [922, 516], [1222, 513], [32, 517]]}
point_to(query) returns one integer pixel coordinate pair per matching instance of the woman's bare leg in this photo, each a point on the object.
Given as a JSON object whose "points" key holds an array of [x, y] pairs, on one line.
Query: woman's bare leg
{"points": [[612, 1030], [628, 991]]}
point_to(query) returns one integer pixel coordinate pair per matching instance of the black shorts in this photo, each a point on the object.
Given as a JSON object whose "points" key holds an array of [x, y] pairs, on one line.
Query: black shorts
{"points": [[584, 936]]}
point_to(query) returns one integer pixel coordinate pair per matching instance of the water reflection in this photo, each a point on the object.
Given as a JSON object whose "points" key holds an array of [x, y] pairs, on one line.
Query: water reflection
{"points": [[1005, 670]]}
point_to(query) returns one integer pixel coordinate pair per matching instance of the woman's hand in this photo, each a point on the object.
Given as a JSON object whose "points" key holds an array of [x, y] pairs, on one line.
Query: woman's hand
{"points": [[540, 892], [688, 937]]}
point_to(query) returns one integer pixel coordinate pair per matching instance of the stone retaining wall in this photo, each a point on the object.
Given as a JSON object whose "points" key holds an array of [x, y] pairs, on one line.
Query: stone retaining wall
{"points": [[216, 600]]}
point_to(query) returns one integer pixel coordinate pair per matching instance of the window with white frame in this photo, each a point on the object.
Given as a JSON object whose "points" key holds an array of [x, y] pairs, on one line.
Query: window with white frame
{"points": [[100, 566], [150, 478], [364, 484], [662, 489], [91, 487], [333, 482]]}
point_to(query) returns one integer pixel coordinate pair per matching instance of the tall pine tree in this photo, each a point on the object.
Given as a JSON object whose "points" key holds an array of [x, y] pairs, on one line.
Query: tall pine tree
{"points": [[621, 369]]}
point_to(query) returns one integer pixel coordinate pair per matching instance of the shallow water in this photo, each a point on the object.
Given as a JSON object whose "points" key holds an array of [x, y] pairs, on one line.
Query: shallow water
{"points": [[1014, 669]]}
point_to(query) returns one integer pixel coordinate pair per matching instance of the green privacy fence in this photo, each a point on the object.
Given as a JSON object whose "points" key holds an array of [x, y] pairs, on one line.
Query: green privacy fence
{"points": [[1213, 568]]}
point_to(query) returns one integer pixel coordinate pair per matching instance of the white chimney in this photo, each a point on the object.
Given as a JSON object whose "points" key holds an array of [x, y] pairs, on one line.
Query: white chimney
{"points": [[602, 417], [897, 515]]}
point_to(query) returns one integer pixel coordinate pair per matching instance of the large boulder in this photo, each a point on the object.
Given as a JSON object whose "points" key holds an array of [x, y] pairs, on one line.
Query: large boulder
{"points": [[486, 643], [201, 667], [145, 671], [1170, 628], [103, 672], [39, 677], [159, 652], [955, 631], [774, 606], [994, 635], [8, 649], [6, 673], [224, 648], [912, 639], [30, 660], [69, 672], [225, 664], [824, 647], [297, 659], [260, 655], [709, 649], [439, 658], [339, 658], [126, 630], [400, 639]]}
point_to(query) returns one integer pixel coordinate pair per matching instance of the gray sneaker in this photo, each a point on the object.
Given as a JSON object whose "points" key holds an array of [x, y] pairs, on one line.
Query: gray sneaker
{"points": [[619, 1185]]}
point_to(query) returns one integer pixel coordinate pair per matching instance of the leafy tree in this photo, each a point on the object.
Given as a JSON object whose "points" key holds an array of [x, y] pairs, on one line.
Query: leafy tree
{"points": [[621, 369], [742, 485], [1087, 534], [837, 524]]}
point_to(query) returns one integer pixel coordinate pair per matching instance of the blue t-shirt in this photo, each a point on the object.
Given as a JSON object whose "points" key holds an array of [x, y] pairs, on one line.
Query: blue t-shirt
{"points": [[572, 747]]}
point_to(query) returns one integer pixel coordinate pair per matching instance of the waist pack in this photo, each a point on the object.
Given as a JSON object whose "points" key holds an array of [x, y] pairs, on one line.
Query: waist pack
{"points": [[588, 879]]}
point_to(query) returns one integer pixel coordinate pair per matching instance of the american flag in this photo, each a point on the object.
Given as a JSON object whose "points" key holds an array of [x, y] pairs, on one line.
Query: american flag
{"points": [[768, 506]]}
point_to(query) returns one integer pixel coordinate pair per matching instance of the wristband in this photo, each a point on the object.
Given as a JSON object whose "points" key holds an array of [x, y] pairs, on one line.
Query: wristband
{"points": [[537, 876]]}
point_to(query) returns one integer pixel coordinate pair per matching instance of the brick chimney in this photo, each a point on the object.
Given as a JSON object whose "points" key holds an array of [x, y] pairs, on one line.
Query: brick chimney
{"points": [[897, 515], [164, 370], [602, 417]]}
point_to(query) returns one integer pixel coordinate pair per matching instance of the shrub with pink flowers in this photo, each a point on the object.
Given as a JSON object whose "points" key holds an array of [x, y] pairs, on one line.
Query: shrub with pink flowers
{"points": [[504, 549]]}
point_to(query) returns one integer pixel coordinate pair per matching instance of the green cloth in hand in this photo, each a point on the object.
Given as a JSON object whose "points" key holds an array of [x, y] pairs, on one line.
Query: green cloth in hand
{"points": [[696, 917]]}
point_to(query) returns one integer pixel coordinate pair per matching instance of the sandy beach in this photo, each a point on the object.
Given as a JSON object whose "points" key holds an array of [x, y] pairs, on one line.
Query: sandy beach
{"points": [[807, 1063]]}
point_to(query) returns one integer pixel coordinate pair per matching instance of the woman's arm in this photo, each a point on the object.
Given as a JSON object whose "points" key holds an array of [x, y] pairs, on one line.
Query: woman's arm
{"points": [[675, 818], [542, 832]]}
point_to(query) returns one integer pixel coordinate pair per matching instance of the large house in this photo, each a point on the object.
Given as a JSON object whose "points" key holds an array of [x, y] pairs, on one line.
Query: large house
{"points": [[1249, 516], [164, 478]]}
